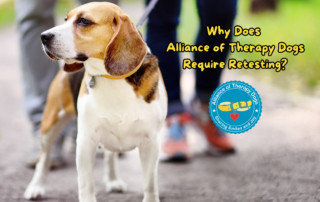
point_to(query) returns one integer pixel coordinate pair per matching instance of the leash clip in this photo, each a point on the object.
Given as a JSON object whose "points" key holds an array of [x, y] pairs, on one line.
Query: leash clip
{"points": [[92, 82]]}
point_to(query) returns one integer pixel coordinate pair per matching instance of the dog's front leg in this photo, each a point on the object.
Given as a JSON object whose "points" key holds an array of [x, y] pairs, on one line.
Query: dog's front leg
{"points": [[86, 153], [149, 153]]}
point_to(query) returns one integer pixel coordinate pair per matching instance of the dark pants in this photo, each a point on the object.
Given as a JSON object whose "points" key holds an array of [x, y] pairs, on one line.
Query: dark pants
{"points": [[162, 29]]}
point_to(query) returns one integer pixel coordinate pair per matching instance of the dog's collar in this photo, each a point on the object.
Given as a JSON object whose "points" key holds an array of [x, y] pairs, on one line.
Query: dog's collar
{"points": [[117, 77], [93, 82]]}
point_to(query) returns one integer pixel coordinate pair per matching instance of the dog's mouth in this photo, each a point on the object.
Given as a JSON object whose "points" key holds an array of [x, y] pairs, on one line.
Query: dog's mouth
{"points": [[80, 57], [49, 54]]}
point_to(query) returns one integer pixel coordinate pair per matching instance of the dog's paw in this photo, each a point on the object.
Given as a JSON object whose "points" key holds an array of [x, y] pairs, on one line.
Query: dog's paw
{"points": [[116, 186], [151, 198], [87, 198], [34, 192]]}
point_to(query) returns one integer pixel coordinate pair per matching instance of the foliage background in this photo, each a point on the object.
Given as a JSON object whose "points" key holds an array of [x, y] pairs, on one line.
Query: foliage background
{"points": [[294, 22]]}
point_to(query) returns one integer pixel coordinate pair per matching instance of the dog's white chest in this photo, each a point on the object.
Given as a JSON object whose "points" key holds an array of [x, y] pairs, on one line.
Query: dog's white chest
{"points": [[117, 118]]}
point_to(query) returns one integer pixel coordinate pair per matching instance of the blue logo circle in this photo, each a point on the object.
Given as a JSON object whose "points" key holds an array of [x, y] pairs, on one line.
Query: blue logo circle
{"points": [[235, 107]]}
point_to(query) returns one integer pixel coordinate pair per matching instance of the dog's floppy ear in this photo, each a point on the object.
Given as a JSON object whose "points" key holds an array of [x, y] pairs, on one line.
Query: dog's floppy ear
{"points": [[126, 50], [74, 67]]}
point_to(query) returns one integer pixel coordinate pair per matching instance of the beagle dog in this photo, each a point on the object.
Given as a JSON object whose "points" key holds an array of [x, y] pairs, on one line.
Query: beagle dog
{"points": [[121, 104]]}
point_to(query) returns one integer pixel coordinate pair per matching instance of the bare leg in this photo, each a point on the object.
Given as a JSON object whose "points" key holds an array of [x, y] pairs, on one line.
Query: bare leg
{"points": [[149, 156]]}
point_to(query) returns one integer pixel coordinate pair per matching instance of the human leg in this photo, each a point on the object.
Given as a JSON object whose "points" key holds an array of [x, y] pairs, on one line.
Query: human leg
{"points": [[212, 13], [161, 30], [34, 17]]}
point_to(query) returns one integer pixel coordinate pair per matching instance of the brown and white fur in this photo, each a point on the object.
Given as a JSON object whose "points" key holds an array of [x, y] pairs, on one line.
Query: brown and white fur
{"points": [[121, 113]]}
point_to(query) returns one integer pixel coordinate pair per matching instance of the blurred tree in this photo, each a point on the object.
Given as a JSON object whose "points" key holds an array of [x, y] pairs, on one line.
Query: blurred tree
{"points": [[262, 5]]}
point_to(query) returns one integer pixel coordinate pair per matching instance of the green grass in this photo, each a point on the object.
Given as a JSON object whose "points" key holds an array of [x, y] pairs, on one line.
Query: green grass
{"points": [[64, 6], [189, 22], [294, 22], [6, 13]]}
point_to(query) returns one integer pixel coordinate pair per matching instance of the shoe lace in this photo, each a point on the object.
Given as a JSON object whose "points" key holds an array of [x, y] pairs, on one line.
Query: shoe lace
{"points": [[177, 132]]}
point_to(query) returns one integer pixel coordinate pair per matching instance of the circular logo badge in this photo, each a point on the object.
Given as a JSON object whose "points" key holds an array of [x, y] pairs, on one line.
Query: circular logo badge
{"points": [[235, 107]]}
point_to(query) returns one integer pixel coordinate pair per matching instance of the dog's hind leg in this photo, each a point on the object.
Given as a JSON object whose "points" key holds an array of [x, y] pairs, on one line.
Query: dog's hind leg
{"points": [[149, 155], [112, 178], [36, 187], [58, 112]]}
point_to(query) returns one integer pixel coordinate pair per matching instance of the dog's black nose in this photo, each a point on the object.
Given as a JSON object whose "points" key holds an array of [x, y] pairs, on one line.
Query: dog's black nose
{"points": [[46, 37]]}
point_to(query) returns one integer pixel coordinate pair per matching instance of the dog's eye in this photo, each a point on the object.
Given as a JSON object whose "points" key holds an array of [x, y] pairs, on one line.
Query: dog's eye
{"points": [[84, 22], [65, 19]]}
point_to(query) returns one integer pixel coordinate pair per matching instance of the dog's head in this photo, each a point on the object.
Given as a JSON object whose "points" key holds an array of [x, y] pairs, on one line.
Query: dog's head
{"points": [[100, 34]]}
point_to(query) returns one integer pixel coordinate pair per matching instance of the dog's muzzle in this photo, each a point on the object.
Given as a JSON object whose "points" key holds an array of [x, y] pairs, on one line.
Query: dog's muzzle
{"points": [[46, 39]]}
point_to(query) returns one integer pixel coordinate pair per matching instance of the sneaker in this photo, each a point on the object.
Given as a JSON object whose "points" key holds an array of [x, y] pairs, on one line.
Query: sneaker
{"points": [[176, 147], [55, 154], [219, 143]]}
